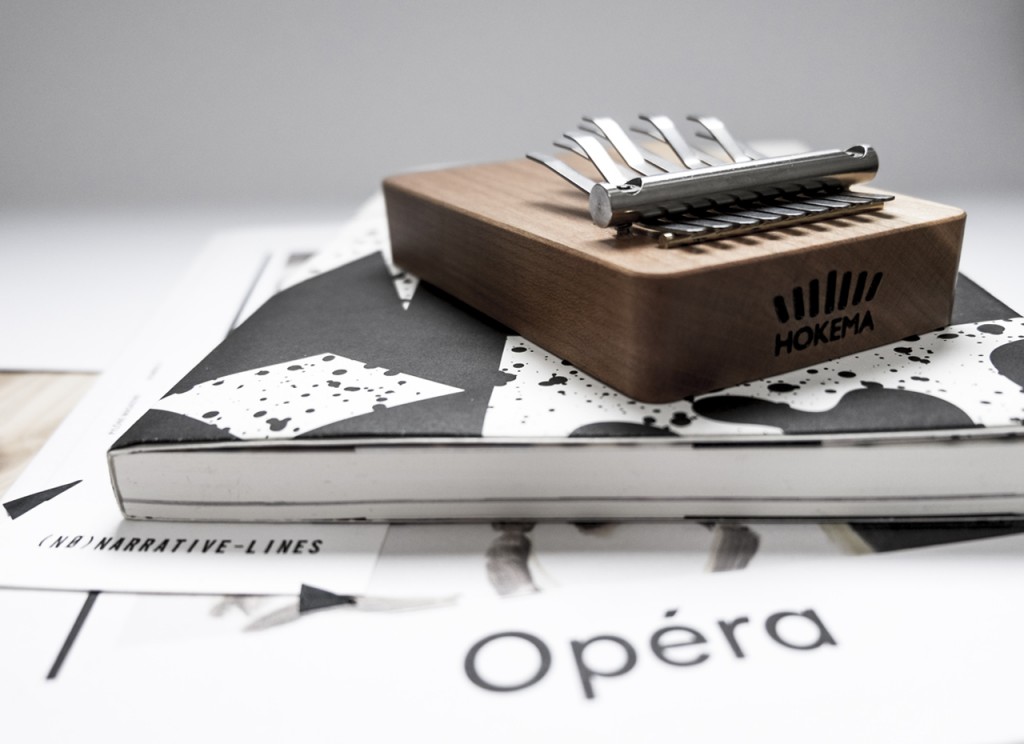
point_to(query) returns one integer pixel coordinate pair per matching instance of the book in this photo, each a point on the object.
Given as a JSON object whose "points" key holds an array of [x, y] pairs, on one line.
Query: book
{"points": [[60, 525], [359, 393]]}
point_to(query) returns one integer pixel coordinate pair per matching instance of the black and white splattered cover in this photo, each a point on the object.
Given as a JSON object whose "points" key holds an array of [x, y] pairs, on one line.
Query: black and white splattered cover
{"points": [[354, 351]]}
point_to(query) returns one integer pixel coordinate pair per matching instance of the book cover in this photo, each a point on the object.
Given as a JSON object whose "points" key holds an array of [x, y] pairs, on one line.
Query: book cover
{"points": [[358, 392]]}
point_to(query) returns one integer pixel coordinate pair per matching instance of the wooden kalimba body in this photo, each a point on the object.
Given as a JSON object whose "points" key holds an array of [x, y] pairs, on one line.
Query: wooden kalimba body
{"points": [[688, 274]]}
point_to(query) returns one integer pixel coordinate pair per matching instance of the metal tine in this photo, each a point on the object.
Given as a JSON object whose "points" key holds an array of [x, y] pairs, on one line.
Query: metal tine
{"points": [[655, 135], [736, 215], [678, 227], [573, 148], [851, 198], [758, 214], [737, 218], [616, 135], [595, 152], [665, 130], [831, 205], [805, 206], [782, 211], [710, 222], [688, 229], [662, 164], [825, 201], [791, 208], [740, 214], [717, 131], [566, 171], [702, 157]]}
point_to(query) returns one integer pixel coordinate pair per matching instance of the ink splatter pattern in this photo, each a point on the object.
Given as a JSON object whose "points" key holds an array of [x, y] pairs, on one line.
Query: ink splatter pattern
{"points": [[291, 398], [966, 375], [550, 397], [954, 367]]}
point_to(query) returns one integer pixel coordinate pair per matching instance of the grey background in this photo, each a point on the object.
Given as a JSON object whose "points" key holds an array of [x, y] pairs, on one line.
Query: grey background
{"points": [[308, 103]]}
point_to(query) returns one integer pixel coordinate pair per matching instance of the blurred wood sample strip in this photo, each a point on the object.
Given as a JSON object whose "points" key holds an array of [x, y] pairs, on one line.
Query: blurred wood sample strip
{"points": [[32, 404]]}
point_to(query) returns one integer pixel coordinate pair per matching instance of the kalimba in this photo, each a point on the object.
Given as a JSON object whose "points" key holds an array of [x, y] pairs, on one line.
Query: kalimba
{"points": [[772, 263]]}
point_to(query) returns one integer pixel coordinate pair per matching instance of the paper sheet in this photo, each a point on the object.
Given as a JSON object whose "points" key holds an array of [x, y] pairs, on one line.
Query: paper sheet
{"points": [[62, 529], [907, 647], [68, 278]]}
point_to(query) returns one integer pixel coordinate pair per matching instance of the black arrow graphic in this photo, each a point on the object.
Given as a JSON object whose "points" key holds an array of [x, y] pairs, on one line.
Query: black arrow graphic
{"points": [[25, 504]]}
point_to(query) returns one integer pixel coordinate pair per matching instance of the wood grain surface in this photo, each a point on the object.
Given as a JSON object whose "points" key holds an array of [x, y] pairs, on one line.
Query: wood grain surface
{"points": [[516, 243], [32, 405]]}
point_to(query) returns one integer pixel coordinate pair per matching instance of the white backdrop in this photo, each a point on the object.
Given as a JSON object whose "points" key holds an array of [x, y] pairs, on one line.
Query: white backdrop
{"points": [[123, 103]]}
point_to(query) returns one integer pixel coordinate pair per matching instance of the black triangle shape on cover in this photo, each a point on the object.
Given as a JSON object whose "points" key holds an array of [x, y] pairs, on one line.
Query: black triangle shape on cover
{"points": [[353, 311], [311, 598], [20, 506]]}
